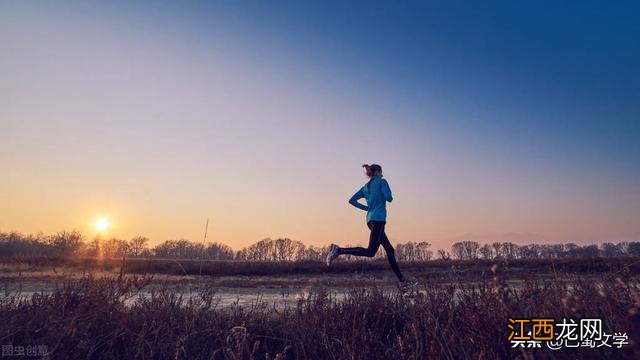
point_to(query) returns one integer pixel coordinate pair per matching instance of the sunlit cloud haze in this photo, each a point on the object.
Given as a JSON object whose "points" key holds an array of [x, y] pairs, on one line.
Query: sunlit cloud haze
{"points": [[496, 122]]}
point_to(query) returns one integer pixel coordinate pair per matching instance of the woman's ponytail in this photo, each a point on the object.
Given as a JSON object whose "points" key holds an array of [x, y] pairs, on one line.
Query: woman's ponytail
{"points": [[372, 169]]}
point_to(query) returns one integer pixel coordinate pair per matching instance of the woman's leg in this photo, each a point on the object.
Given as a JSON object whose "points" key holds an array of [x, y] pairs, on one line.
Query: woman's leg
{"points": [[374, 242], [391, 255]]}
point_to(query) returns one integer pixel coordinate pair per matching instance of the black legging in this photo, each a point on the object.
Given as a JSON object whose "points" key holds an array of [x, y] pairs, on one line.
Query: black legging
{"points": [[376, 238]]}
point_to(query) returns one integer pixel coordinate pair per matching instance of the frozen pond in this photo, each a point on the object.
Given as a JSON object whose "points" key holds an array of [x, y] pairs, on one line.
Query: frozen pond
{"points": [[246, 291], [278, 296]]}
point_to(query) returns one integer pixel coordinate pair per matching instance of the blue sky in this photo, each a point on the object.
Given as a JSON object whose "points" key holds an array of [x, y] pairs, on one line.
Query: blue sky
{"points": [[489, 119], [555, 73]]}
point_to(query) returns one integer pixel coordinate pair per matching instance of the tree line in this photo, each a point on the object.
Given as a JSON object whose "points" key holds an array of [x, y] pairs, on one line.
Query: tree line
{"points": [[68, 243], [471, 250]]}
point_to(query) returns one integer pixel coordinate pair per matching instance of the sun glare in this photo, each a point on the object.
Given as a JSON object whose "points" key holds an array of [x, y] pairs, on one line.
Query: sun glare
{"points": [[102, 224]]}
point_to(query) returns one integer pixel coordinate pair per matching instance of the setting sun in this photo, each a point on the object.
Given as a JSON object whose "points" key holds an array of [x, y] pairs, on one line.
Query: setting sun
{"points": [[102, 224]]}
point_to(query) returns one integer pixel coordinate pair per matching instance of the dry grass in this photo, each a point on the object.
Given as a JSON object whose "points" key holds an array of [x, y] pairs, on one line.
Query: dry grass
{"points": [[97, 318]]}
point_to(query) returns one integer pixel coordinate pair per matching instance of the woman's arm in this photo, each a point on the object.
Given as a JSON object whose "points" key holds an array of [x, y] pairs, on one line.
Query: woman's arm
{"points": [[386, 190], [354, 201]]}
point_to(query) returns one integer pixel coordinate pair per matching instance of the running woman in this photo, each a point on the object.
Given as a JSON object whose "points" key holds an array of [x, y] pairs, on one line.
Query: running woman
{"points": [[376, 192]]}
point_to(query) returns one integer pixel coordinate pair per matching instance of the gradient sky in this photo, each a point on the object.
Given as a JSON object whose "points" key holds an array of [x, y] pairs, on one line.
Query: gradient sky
{"points": [[497, 121]]}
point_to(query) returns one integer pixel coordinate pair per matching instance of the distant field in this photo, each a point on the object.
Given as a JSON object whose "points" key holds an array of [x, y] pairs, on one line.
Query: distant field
{"points": [[436, 270]]}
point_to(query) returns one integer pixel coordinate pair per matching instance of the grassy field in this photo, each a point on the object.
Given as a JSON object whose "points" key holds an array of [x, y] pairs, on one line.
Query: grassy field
{"points": [[433, 270], [459, 311]]}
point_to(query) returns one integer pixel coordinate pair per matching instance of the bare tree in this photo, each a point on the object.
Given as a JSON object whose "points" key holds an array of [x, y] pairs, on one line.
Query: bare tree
{"points": [[531, 251], [497, 250], [285, 249], [66, 242], [218, 251], [138, 245], [422, 251], [509, 250], [261, 250], [443, 254], [114, 248], [611, 250], [486, 251], [313, 253], [571, 249], [633, 248], [465, 250], [406, 252]]}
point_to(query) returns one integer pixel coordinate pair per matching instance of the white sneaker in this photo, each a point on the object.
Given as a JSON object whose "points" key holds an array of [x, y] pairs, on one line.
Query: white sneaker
{"points": [[333, 253]]}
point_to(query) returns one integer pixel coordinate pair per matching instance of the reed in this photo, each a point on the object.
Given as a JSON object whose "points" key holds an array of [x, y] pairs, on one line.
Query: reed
{"points": [[104, 318]]}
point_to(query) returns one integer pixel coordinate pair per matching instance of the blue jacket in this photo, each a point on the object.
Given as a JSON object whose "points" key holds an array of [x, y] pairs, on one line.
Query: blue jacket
{"points": [[376, 192]]}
